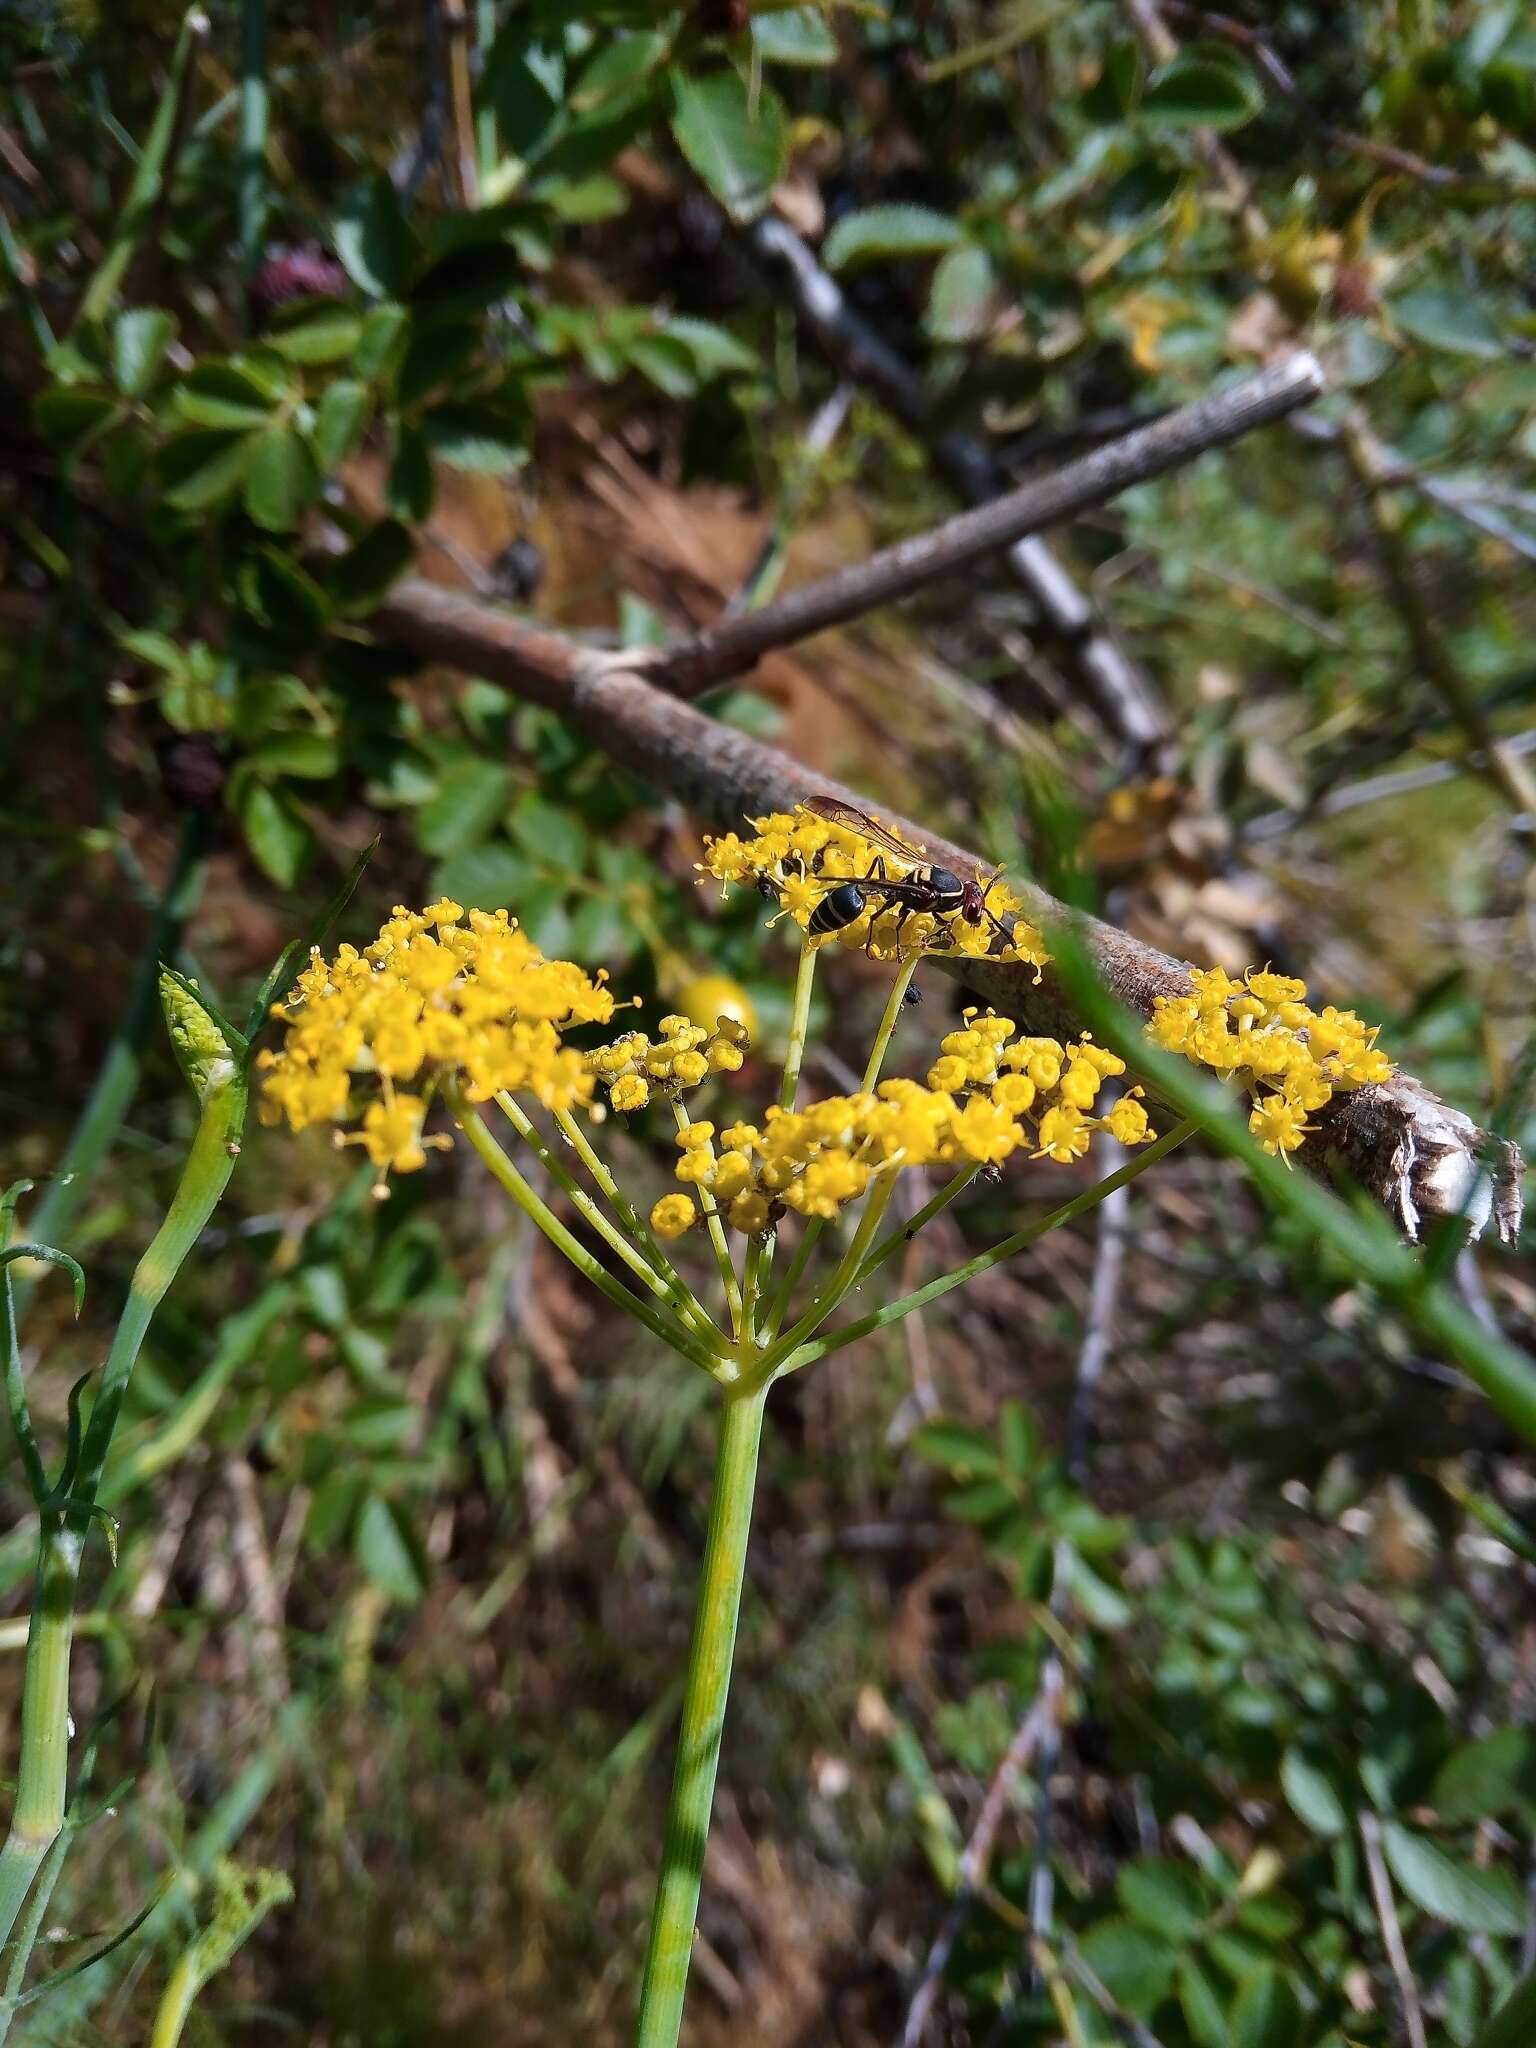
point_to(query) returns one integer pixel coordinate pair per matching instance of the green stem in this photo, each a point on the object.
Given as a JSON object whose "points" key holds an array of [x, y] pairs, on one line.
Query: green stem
{"points": [[150, 174], [872, 1066], [716, 1231], [176, 2002], [251, 163], [487, 144], [116, 1083], [688, 1304], [918, 1220], [38, 1813], [845, 1274], [704, 1697], [538, 1212], [616, 1240], [1031, 1234], [799, 1024]]}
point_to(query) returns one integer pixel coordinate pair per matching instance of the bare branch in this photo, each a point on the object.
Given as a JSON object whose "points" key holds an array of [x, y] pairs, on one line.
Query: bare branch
{"points": [[737, 644], [1417, 1156], [1122, 696], [1391, 1930]]}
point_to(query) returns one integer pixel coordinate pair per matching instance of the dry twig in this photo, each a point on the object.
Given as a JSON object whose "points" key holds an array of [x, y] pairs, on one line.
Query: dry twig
{"points": [[1416, 1155]]}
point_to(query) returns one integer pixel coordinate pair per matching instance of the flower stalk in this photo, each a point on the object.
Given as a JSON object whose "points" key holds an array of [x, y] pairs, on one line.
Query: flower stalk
{"points": [[68, 1510], [710, 1655]]}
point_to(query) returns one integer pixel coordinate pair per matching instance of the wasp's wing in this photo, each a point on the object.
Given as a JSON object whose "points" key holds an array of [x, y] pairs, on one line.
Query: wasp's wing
{"points": [[836, 812]]}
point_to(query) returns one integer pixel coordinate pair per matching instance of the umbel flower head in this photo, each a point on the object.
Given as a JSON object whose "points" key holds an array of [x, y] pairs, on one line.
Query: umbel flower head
{"points": [[989, 1095], [634, 1067], [1261, 1032], [437, 1000], [800, 857]]}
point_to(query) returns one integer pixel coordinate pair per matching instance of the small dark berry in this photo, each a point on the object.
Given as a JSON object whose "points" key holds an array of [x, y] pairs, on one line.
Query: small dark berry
{"points": [[193, 769]]}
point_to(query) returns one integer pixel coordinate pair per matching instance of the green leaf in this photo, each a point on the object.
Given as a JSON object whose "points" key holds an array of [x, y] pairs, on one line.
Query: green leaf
{"points": [[794, 35], [963, 301], [281, 481], [553, 835], [382, 329], [436, 350], [1100, 1602], [469, 280], [223, 396], [70, 416], [278, 838], [470, 803], [140, 339], [1166, 1896], [312, 756], [478, 436], [372, 238], [1202, 2008], [714, 349], [880, 233], [389, 1550], [1484, 1780], [322, 333], [1114, 94], [411, 488], [964, 1453], [1135, 1966], [1201, 92], [1267, 2013], [738, 149], [485, 877], [1020, 1439], [1514, 2024], [1449, 1888], [1454, 321], [524, 80], [360, 577], [1311, 1795], [202, 469], [284, 598], [616, 68], [341, 418]]}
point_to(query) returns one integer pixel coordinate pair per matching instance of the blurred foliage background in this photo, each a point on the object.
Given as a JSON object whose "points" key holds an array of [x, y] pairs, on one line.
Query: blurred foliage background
{"points": [[294, 299]]}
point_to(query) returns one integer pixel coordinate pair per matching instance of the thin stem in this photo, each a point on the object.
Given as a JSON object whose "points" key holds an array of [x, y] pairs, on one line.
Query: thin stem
{"points": [[1031, 1234], [872, 1066], [252, 159], [704, 1696], [894, 1004], [538, 1212], [888, 1247], [1391, 1930], [177, 2001], [688, 1303], [487, 142], [844, 1275], [716, 1231], [799, 1023], [616, 1240]]}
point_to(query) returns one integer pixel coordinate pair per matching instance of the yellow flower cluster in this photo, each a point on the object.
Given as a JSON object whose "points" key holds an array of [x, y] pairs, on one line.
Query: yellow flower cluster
{"points": [[801, 857], [634, 1067], [1261, 1031], [434, 999], [988, 1096]]}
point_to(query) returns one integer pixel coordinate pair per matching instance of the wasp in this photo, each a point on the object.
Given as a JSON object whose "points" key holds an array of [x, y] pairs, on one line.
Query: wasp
{"points": [[936, 890]]}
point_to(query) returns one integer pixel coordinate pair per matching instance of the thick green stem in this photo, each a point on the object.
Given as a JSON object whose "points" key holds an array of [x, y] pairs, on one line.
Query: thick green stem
{"points": [[704, 1697], [38, 1814], [41, 1788]]}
